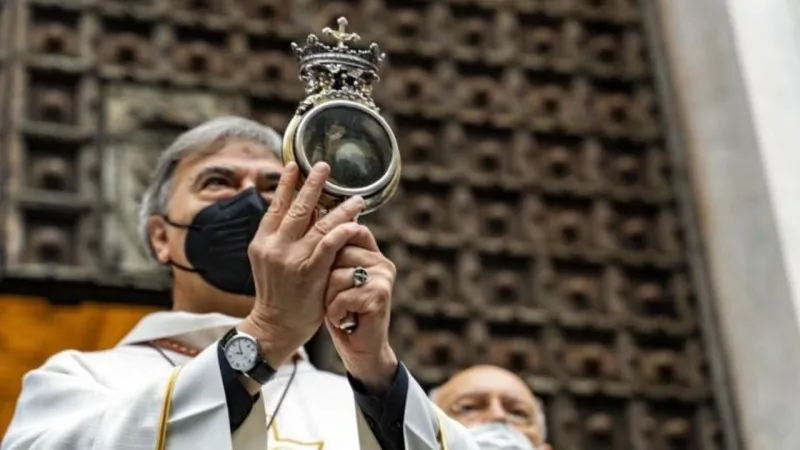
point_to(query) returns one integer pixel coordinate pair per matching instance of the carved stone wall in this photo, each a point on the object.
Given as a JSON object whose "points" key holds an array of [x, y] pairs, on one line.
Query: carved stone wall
{"points": [[536, 225]]}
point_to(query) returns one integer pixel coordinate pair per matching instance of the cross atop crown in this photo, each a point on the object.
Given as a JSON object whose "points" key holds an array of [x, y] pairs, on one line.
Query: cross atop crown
{"points": [[341, 35], [339, 66]]}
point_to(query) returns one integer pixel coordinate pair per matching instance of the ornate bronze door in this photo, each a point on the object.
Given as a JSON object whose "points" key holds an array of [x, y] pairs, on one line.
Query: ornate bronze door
{"points": [[536, 226]]}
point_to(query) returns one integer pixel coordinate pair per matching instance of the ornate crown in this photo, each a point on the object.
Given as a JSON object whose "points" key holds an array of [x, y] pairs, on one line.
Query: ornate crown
{"points": [[338, 68]]}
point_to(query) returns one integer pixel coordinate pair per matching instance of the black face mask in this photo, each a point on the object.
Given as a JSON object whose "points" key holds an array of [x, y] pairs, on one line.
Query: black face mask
{"points": [[217, 241]]}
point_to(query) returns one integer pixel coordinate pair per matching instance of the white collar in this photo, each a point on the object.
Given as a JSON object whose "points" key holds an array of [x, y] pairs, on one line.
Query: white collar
{"points": [[191, 329]]}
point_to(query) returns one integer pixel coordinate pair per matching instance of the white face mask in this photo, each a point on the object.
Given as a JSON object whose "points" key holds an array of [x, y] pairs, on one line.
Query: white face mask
{"points": [[500, 436]]}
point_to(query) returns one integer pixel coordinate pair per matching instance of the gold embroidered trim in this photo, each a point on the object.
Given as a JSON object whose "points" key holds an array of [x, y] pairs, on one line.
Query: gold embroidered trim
{"points": [[318, 445], [177, 347], [441, 435], [161, 444]]}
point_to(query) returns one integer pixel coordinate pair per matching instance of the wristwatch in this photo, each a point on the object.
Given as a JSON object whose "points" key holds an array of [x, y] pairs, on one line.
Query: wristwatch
{"points": [[244, 355]]}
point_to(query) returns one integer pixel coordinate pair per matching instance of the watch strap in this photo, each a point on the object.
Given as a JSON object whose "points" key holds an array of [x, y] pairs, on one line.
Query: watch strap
{"points": [[228, 336], [262, 372]]}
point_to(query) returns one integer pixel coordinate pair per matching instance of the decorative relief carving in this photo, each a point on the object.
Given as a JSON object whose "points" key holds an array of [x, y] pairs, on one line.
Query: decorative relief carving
{"points": [[142, 122]]}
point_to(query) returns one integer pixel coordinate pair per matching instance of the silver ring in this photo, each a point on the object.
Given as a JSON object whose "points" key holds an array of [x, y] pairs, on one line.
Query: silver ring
{"points": [[360, 276]]}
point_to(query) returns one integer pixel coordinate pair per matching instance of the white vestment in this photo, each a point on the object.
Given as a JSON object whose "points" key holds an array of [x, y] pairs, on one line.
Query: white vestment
{"points": [[113, 399]]}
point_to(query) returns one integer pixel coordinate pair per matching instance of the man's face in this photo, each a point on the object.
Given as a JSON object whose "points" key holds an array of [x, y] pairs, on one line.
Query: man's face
{"points": [[202, 179], [485, 394]]}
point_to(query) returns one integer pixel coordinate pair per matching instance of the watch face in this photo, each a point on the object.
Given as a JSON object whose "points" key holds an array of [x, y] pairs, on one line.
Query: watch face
{"points": [[241, 353]]}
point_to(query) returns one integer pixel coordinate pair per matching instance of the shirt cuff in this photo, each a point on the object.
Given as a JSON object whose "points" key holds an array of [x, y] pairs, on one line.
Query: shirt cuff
{"points": [[385, 414], [239, 401]]}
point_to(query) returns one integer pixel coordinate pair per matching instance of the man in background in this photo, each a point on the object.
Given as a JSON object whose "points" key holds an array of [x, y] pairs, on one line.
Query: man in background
{"points": [[496, 406]]}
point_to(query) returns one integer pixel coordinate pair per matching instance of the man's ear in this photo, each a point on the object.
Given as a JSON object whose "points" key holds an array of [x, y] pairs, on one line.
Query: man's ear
{"points": [[157, 235]]}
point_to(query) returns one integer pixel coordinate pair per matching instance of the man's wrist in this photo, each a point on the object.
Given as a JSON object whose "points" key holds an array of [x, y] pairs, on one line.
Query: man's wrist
{"points": [[274, 348], [239, 398], [377, 373]]}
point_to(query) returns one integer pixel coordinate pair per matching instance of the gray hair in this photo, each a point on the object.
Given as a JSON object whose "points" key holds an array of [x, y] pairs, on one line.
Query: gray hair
{"points": [[541, 418], [157, 194]]}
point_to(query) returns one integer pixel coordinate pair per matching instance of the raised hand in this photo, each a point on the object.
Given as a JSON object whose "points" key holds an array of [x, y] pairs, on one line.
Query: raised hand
{"points": [[291, 257], [366, 352]]}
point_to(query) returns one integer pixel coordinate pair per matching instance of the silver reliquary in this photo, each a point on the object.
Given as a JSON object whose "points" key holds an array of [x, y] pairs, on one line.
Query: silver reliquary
{"points": [[339, 123]]}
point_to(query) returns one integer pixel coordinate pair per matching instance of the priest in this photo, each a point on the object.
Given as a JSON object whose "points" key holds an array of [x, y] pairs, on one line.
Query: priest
{"points": [[255, 274], [496, 406]]}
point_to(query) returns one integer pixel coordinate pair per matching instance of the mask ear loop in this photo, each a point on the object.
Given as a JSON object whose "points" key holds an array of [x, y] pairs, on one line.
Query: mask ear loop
{"points": [[182, 227], [182, 267]]}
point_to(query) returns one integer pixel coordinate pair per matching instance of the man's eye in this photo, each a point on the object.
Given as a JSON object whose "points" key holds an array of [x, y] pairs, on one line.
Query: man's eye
{"points": [[466, 408], [268, 186], [520, 414], [215, 182]]}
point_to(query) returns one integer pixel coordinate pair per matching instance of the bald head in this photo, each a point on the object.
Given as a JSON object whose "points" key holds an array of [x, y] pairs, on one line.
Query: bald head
{"points": [[486, 393]]}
